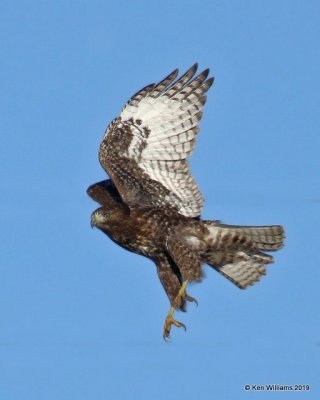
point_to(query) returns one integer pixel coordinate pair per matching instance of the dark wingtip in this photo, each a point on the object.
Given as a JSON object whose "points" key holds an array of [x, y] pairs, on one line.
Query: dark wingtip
{"points": [[205, 73], [89, 190], [194, 68], [209, 82], [174, 73]]}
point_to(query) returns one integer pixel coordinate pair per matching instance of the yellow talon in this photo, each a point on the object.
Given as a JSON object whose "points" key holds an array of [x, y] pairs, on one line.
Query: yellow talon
{"points": [[177, 301], [171, 321], [191, 299]]}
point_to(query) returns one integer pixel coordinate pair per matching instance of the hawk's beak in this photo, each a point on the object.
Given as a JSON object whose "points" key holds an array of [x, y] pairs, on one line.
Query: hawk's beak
{"points": [[92, 223]]}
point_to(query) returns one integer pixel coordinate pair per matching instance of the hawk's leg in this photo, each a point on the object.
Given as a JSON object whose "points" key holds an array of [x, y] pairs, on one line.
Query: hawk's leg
{"points": [[181, 296], [190, 268]]}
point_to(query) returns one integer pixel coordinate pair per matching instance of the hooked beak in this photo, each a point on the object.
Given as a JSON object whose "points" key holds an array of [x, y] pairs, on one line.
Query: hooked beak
{"points": [[92, 222]]}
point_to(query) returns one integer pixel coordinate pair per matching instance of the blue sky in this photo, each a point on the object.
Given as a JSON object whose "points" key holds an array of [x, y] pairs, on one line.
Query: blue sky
{"points": [[80, 317]]}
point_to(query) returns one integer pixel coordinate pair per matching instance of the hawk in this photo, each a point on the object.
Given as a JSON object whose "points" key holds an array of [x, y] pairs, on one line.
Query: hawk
{"points": [[152, 205]]}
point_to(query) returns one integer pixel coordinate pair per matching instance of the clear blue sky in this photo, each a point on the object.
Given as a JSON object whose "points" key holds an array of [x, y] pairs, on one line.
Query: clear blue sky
{"points": [[80, 317]]}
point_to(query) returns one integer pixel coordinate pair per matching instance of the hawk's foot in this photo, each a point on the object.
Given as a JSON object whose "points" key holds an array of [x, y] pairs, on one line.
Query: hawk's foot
{"points": [[178, 301], [169, 322]]}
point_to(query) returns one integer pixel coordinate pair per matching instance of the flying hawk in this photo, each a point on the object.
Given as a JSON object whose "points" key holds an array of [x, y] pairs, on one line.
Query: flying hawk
{"points": [[151, 205]]}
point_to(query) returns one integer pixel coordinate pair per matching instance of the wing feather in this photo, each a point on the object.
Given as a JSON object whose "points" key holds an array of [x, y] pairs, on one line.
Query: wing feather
{"points": [[145, 149]]}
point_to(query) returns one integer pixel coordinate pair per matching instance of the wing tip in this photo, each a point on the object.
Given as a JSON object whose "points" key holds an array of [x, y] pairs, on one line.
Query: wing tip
{"points": [[202, 76], [209, 82], [194, 67], [172, 76]]}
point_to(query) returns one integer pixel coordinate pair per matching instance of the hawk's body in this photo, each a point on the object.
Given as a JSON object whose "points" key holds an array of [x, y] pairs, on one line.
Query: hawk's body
{"points": [[152, 205]]}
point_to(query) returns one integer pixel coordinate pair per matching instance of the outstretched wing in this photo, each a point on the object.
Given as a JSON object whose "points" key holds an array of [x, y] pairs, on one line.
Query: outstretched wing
{"points": [[145, 149], [104, 192]]}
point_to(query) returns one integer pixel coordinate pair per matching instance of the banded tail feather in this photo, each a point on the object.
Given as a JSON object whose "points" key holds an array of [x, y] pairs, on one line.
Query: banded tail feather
{"points": [[236, 251]]}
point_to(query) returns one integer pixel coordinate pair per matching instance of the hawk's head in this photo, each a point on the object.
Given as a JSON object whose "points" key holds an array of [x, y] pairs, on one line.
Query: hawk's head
{"points": [[108, 216]]}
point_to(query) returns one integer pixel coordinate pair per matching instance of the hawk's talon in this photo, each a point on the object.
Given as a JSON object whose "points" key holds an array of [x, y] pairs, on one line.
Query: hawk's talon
{"points": [[169, 322], [191, 299], [181, 296]]}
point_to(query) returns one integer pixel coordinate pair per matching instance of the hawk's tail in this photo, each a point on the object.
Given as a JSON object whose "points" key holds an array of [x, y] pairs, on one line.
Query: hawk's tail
{"points": [[236, 251]]}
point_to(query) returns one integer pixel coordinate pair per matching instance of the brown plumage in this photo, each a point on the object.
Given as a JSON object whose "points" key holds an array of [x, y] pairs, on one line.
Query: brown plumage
{"points": [[151, 206]]}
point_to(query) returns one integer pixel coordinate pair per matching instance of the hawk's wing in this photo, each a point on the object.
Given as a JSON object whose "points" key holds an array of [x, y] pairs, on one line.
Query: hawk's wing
{"points": [[104, 192], [145, 149]]}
